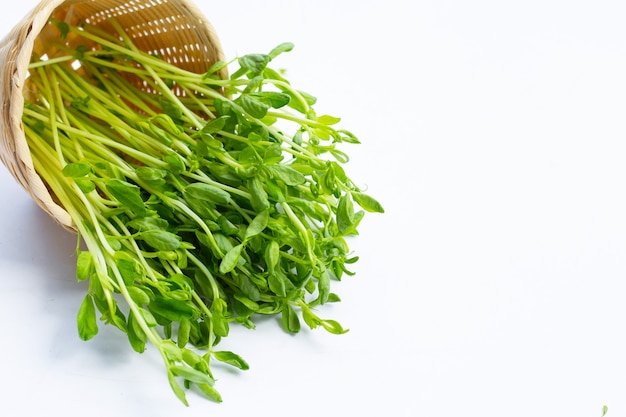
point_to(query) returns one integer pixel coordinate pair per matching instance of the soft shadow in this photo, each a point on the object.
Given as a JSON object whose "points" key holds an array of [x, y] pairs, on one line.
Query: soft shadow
{"points": [[30, 236], [36, 242]]}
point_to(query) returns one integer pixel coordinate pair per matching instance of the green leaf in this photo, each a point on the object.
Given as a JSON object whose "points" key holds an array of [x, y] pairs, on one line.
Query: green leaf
{"points": [[148, 317], [254, 84], [202, 150], [220, 325], [214, 126], [310, 286], [248, 303], [336, 166], [174, 310], [255, 106], [310, 319], [227, 226], [367, 203], [231, 259], [76, 170], [333, 327], [249, 156], [270, 309], [211, 144], [172, 352], [115, 244], [231, 359], [272, 255], [192, 359], [150, 174], [206, 192], [333, 298], [180, 281], [148, 223], [295, 102], [161, 240], [128, 195], [323, 287], [273, 98], [286, 174], [116, 318], [223, 243], [81, 103], [348, 137], [131, 265], [210, 392], [80, 51], [258, 195], [171, 109], [175, 163], [282, 48], [86, 319], [328, 120], [180, 394], [340, 156], [257, 225], [273, 153], [215, 68], [136, 335], [345, 213], [85, 185], [202, 208], [184, 329], [254, 63], [276, 191], [290, 320], [276, 282], [160, 134], [129, 269], [247, 287], [63, 27], [192, 375], [182, 260], [139, 296], [84, 265]]}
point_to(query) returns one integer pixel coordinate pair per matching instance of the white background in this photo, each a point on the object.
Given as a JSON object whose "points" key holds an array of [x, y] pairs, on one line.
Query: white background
{"points": [[494, 285]]}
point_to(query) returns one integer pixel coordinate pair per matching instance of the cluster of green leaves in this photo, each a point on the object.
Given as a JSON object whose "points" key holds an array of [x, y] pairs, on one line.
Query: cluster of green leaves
{"points": [[201, 201]]}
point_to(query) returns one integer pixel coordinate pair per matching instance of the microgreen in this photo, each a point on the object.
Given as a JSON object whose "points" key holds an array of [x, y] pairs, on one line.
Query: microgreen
{"points": [[199, 210]]}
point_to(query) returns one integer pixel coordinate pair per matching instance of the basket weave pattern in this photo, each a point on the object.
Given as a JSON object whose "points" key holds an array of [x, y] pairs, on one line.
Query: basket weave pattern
{"points": [[173, 29]]}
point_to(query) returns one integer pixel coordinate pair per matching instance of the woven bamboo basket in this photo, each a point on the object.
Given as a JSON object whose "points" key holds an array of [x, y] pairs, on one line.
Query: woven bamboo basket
{"points": [[174, 29]]}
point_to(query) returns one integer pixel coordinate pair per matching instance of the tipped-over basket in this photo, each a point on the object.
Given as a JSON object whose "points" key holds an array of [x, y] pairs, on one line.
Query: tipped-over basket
{"points": [[174, 29]]}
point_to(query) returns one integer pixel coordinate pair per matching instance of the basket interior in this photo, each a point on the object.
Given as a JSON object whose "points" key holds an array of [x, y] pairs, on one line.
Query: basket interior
{"points": [[171, 29]]}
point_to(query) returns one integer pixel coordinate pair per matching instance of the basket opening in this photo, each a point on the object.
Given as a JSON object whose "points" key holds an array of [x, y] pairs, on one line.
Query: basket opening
{"points": [[174, 29]]}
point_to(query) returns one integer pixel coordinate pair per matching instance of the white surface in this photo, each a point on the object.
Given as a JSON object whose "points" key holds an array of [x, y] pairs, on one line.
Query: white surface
{"points": [[494, 134]]}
